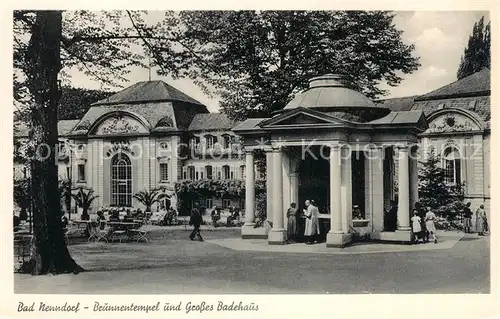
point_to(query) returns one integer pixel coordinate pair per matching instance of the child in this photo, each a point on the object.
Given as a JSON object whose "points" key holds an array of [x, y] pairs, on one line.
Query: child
{"points": [[417, 229], [429, 223]]}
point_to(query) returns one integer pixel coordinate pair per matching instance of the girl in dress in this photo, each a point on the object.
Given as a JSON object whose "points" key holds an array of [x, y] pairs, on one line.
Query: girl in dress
{"points": [[429, 223], [291, 214], [416, 226]]}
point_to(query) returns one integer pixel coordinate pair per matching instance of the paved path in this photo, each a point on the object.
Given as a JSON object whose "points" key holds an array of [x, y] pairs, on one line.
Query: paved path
{"points": [[446, 241], [170, 264]]}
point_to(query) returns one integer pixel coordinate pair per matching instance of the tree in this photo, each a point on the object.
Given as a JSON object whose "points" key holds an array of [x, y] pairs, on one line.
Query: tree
{"points": [[477, 54], [83, 198], [46, 45], [75, 102], [148, 198], [42, 64], [434, 192], [257, 60]]}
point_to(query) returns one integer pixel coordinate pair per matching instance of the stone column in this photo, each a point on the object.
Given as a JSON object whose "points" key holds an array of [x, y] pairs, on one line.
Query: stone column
{"points": [[403, 190], [249, 190], [269, 183], [336, 237], [277, 235], [413, 163]]}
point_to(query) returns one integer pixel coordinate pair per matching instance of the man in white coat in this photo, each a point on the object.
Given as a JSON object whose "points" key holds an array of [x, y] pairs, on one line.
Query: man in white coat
{"points": [[312, 223]]}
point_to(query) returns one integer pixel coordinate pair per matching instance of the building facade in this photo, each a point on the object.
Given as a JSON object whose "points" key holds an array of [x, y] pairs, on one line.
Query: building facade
{"points": [[151, 135]]}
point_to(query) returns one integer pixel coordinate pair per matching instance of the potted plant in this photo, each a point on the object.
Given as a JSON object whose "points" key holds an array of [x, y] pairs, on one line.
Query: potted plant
{"points": [[83, 199], [148, 198]]}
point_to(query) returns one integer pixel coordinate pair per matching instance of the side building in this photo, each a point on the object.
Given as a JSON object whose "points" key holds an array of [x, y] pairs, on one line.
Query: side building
{"points": [[459, 117]]}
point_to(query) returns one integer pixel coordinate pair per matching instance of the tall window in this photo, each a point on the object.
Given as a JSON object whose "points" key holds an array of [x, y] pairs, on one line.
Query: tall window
{"points": [[451, 165], [163, 171], [121, 180], [227, 141], [209, 202], [191, 172], [81, 172], [226, 203], [208, 170], [210, 141], [226, 171], [242, 171]]}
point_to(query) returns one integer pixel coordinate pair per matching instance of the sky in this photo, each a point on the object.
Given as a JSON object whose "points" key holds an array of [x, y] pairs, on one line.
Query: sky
{"points": [[440, 38]]}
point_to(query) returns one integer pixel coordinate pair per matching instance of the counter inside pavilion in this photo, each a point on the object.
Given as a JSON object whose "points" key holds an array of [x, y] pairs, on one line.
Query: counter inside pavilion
{"points": [[332, 144]]}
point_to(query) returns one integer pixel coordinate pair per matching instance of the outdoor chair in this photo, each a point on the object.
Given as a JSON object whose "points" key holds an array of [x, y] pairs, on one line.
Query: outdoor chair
{"points": [[141, 232], [93, 232], [103, 232]]}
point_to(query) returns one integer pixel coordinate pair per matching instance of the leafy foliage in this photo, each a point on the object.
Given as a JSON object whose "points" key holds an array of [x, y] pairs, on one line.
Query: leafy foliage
{"points": [[148, 198], [444, 199], [257, 60], [75, 102], [477, 54], [21, 193], [218, 188], [261, 208]]}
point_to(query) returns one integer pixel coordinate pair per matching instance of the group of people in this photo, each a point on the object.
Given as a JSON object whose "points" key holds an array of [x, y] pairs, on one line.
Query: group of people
{"points": [[311, 230], [424, 228], [481, 220], [234, 214]]}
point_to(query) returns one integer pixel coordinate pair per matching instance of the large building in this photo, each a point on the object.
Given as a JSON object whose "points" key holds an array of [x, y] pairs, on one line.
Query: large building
{"points": [[152, 135], [459, 117]]}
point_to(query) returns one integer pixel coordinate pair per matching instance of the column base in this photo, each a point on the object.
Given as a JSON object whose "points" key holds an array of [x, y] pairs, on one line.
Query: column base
{"points": [[398, 236], [338, 240], [277, 236], [249, 232]]}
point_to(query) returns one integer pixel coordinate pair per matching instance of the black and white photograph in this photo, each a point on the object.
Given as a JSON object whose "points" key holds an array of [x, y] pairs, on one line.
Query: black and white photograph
{"points": [[250, 152]]}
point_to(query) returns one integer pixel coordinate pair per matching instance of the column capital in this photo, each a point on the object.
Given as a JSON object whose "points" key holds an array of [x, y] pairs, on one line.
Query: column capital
{"points": [[335, 146], [277, 148], [403, 147]]}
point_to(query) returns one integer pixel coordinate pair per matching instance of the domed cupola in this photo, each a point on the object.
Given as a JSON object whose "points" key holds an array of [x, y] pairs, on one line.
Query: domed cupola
{"points": [[332, 94]]}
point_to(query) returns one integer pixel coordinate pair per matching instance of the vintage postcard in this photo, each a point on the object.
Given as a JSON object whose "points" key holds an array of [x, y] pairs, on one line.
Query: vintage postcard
{"points": [[235, 162]]}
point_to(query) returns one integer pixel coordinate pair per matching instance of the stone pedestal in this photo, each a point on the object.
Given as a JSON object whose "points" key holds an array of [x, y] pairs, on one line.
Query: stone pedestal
{"points": [[337, 240], [249, 232], [277, 236]]}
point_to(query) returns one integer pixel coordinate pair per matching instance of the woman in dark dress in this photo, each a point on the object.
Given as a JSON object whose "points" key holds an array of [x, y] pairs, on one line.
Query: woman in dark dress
{"points": [[291, 214]]}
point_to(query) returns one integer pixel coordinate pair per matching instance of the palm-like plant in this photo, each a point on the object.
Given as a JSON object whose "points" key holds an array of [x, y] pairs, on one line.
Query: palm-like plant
{"points": [[83, 199], [148, 198]]}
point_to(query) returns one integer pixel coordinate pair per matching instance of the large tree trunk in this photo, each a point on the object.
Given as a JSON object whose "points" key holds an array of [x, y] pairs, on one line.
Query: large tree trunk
{"points": [[43, 63]]}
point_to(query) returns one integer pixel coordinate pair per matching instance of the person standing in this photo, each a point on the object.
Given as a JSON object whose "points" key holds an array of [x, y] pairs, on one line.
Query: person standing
{"points": [[416, 226], [480, 220], [429, 223], [312, 223], [291, 214], [467, 218], [421, 213], [195, 221]]}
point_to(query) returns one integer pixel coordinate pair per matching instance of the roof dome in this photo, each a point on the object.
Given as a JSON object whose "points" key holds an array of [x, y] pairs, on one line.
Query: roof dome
{"points": [[333, 93]]}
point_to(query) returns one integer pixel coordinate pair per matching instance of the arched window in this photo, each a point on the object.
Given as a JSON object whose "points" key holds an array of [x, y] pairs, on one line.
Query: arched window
{"points": [[121, 180], [451, 166]]}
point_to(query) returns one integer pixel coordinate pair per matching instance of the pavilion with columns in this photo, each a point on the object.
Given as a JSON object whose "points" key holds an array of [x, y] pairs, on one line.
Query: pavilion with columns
{"points": [[335, 146]]}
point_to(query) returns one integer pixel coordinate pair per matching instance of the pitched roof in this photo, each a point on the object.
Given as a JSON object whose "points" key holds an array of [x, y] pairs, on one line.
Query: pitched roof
{"points": [[211, 121], [249, 124], [147, 91], [64, 127], [402, 117], [398, 103], [472, 85]]}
